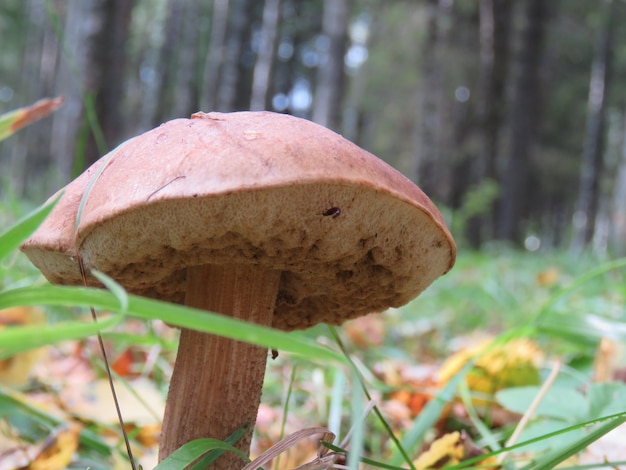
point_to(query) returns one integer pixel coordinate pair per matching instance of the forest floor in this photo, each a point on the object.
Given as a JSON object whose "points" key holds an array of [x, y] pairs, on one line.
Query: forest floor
{"points": [[543, 309]]}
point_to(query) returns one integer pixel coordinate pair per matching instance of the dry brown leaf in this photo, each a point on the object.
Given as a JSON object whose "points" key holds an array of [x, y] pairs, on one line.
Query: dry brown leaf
{"points": [[38, 110], [148, 435], [548, 277], [126, 363], [303, 436], [416, 394], [609, 361]]}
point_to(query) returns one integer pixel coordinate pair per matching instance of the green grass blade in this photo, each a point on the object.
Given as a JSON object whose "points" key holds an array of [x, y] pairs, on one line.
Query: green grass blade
{"points": [[116, 289], [580, 281], [283, 423], [9, 401], [7, 121], [12, 238], [358, 432], [17, 339], [357, 374], [583, 329], [335, 411], [431, 413], [193, 450], [611, 421], [365, 460], [559, 455], [184, 317], [613, 464], [209, 449], [483, 430], [92, 181]]}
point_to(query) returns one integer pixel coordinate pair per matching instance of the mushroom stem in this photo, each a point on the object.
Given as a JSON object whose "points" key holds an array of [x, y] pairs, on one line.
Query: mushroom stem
{"points": [[217, 382]]}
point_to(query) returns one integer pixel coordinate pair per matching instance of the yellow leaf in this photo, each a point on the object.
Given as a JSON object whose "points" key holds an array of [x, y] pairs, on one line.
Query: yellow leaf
{"points": [[57, 451], [451, 449], [498, 365], [15, 370], [446, 450]]}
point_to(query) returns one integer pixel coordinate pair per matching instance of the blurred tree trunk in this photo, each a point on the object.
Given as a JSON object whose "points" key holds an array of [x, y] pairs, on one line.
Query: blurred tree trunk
{"points": [[617, 236], [168, 61], [329, 86], [66, 142], [186, 85], [31, 152], [495, 49], [232, 90], [265, 56], [524, 122], [429, 171], [215, 54], [593, 151], [495, 24], [300, 22], [105, 74]]}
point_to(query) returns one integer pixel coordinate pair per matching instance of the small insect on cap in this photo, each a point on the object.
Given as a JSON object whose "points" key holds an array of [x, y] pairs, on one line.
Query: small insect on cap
{"points": [[350, 234]]}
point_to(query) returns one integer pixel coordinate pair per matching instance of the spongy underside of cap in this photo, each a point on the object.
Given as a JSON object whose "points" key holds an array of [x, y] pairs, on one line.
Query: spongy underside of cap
{"points": [[335, 266], [349, 233]]}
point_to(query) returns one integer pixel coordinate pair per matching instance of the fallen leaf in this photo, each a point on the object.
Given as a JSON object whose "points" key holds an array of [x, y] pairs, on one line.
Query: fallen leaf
{"points": [[448, 449], [13, 121], [366, 331], [548, 277], [416, 394], [451, 449], [140, 401], [125, 365], [148, 435], [498, 365], [609, 448], [16, 370], [57, 452]]}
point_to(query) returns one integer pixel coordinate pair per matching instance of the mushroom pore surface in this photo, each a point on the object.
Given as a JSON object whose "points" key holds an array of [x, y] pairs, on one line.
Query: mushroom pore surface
{"points": [[350, 234]]}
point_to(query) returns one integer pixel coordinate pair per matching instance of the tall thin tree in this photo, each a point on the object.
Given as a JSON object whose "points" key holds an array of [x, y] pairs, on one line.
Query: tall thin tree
{"points": [[495, 24], [215, 55], [524, 122], [265, 55], [593, 151], [105, 73], [231, 79], [331, 76], [430, 124], [186, 79], [168, 62]]}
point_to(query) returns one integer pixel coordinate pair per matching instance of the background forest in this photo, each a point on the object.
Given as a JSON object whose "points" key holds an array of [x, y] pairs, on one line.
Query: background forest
{"points": [[507, 112]]}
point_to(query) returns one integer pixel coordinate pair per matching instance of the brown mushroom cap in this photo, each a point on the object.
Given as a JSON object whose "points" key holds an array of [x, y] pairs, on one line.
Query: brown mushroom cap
{"points": [[350, 234]]}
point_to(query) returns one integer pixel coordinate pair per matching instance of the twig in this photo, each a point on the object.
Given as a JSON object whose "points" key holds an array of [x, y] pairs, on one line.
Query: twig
{"points": [[531, 410], [366, 412], [288, 442], [107, 368]]}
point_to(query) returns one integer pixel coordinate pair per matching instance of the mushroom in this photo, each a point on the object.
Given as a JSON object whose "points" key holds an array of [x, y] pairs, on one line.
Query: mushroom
{"points": [[261, 216]]}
